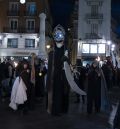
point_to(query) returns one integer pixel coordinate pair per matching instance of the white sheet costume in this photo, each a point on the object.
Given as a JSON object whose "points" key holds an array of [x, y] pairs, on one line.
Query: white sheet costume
{"points": [[18, 94]]}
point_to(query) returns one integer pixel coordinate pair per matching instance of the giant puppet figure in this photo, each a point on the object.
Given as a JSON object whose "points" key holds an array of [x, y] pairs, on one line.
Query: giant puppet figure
{"points": [[59, 77]]}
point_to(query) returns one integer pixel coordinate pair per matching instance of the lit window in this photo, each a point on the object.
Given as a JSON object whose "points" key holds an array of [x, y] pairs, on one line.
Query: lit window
{"points": [[12, 43], [93, 48], [29, 43], [101, 48], [31, 8], [85, 48]]}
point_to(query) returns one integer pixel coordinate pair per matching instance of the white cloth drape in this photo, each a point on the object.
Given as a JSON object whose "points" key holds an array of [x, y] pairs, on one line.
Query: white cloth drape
{"points": [[113, 113], [18, 94], [71, 81]]}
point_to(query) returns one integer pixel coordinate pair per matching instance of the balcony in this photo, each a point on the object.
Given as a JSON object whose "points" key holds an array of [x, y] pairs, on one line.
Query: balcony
{"points": [[94, 2], [20, 30], [94, 16], [29, 13], [13, 13], [92, 36]]}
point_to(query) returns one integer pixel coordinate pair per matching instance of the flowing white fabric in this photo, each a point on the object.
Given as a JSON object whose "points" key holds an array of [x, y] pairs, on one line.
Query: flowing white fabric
{"points": [[21, 95], [105, 102], [113, 113], [18, 94], [113, 59], [12, 104], [71, 81]]}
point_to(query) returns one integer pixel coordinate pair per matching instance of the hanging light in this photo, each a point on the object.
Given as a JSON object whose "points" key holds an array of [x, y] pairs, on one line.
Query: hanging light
{"points": [[22, 1]]}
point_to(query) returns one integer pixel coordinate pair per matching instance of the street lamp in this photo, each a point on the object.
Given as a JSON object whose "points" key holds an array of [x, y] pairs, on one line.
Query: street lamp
{"points": [[48, 46], [22, 1], [109, 42], [112, 47]]}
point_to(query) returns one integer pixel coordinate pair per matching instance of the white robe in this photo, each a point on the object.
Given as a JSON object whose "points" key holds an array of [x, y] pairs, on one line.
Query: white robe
{"points": [[18, 94]]}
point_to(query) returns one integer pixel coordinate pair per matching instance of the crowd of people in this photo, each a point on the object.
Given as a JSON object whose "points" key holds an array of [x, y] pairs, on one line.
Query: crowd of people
{"points": [[9, 72], [92, 74]]}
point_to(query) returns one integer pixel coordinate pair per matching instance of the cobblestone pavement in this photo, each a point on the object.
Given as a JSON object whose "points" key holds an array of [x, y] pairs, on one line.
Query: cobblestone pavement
{"points": [[40, 119]]}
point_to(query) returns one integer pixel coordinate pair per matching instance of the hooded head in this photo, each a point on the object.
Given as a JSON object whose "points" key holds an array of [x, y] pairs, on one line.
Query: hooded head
{"points": [[95, 64], [59, 35]]}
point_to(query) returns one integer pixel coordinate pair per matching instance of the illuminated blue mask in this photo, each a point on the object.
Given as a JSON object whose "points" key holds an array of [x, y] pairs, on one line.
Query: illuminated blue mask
{"points": [[59, 34]]}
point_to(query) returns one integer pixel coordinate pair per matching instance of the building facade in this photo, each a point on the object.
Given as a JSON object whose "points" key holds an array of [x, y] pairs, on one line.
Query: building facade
{"points": [[115, 46], [94, 26], [74, 33], [20, 27]]}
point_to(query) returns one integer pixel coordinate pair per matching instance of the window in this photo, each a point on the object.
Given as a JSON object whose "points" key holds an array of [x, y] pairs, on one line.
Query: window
{"points": [[30, 24], [13, 24], [94, 28], [85, 48], [29, 43], [14, 6], [94, 10], [31, 8], [101, 48], [12, 43], [93, 48]]}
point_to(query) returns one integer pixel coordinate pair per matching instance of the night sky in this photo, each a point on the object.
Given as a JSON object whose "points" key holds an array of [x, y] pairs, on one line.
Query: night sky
{"points": [[61, 10], [115, 12]]}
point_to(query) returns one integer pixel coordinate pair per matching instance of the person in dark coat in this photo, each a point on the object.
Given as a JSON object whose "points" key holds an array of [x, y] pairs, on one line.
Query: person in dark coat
{"points": [[108, 72], [40, 72], [57, 89], [25, 75], [66, 87], [94, 89]]}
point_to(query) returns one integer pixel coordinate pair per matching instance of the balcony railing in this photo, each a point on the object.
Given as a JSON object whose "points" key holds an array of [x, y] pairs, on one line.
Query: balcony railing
{"points": [[13, 13], [92, 36], [94, 16], [94, 2], [29, 13], [20, 30]]}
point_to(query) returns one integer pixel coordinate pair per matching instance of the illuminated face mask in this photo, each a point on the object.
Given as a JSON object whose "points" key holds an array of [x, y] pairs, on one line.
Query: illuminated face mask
{"points": [[59, 35], [59, 45]]}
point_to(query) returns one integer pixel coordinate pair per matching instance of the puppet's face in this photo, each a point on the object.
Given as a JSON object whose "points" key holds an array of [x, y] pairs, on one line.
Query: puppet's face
{"points": [[59, 35], [59, 44]]}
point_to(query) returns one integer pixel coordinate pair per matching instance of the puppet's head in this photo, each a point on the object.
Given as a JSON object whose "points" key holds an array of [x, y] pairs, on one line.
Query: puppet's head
{"points": [[59, 35]]}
